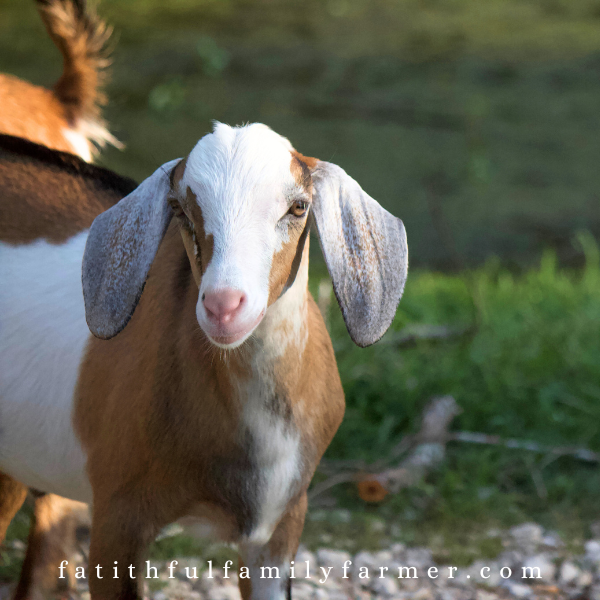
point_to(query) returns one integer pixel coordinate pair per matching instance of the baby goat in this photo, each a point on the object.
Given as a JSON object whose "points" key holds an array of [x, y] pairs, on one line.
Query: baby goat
{"points": [[220, 393], [67, 118]]}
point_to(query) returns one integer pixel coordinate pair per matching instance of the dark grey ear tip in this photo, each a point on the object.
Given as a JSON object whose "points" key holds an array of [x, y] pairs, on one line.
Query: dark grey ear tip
{"points": [[102, 331], [365, 342]]}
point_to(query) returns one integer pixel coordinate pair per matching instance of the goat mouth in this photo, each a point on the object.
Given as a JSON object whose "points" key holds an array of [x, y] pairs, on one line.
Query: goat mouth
{"points": [[236, 338]]}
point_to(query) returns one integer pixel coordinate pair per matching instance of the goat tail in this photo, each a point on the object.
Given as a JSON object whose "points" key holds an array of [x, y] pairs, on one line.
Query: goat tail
{"points": [[82, 37]]}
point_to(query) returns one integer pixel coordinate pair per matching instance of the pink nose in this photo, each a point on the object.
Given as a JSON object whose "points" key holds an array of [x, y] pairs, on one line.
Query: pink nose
{"points": [[223, 305]]}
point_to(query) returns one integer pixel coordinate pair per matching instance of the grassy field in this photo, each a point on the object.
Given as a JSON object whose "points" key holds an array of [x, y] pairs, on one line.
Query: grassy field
{"points": [[485, 113], [475, 122]]}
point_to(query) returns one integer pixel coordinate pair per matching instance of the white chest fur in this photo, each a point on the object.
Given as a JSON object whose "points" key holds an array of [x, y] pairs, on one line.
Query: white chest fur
{"points": [[277, 458]]}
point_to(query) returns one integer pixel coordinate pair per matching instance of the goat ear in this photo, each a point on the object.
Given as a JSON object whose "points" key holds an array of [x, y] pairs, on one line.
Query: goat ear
{"points": [[120, 248], [365, 251]]}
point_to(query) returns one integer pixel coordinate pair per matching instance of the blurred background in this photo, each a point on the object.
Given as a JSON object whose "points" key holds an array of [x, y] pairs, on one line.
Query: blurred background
{"points": [[477, 123]]}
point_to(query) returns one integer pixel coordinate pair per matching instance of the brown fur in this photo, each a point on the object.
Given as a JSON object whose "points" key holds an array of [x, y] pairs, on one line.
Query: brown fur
{"points": [[301, 167], [81, 38], [32, 112], [12, 496], [42, 115], [50, 195]]}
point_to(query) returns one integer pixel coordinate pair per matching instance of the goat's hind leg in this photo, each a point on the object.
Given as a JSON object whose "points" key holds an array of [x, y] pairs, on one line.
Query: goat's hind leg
{"points": [[12, 496], [52, 539]]}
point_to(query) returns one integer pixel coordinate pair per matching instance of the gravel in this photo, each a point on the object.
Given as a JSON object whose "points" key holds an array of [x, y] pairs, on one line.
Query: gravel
{"points": [[553, 573]]}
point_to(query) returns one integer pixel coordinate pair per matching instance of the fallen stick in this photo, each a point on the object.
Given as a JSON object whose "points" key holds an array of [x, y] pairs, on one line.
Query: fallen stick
{"points": [[428, 451], [495, 440]]}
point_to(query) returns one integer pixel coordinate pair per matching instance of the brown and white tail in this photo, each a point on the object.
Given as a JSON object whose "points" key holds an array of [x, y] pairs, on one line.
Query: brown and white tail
{"points": [[81, 38]]}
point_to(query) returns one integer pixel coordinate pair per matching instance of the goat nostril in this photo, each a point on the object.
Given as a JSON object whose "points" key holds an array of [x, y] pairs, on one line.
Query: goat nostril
{"points": [[223, 305]]}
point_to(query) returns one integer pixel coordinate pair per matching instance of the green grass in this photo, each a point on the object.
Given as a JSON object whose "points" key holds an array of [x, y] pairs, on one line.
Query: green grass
{"points": [[529, 371], [486, 110]]}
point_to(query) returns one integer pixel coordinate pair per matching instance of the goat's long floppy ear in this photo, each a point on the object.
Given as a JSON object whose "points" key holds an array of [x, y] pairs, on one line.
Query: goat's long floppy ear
{"points": [[120, 248], [365, 251]]}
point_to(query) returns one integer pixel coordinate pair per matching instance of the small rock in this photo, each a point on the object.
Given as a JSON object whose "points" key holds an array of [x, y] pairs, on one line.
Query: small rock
{"points": [[485, 573], [452, 594], [423, 594], [418, 557], [334, 558], [512, 559], [224, 593], [542, 562], [362, 560], [594, 592], [569, 572], [18, 545], [527, 537], [592, 551], [319, 594], [552, 540], [408, 584], [517, 590], [397, 551], [384, 558], [384, 587], [205, 583], [585, 579], [302, 591], [484, 595], [302, 556]]}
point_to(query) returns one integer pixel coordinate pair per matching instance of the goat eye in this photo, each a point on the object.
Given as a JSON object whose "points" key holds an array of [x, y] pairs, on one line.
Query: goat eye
{"points": [[298, 208]]}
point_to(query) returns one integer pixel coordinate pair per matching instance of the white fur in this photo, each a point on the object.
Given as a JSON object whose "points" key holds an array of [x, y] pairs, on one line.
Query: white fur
{"points": [[44, 334], [265, 583], [276, 441], [242, 181], [79, 143], [88, 134]]}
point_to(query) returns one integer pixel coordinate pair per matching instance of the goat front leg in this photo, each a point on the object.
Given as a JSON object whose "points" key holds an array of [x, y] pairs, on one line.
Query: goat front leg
{"points": [[264, 570], [119, 537]]}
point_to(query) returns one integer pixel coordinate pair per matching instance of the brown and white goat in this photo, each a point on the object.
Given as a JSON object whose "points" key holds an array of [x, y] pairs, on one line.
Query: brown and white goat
{"points": [[220, 393], [49, 194], [67, 118]]}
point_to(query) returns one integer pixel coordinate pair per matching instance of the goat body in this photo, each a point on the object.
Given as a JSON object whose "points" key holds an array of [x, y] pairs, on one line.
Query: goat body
{"points": [[67, 118], [186, 410]]}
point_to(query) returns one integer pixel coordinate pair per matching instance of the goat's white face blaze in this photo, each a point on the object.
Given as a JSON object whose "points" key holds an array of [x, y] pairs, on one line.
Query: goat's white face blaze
{"points": [[242, 185]]}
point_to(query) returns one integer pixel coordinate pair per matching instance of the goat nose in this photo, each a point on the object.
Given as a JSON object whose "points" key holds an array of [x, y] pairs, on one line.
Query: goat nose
{"points": [[222, 305]]}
